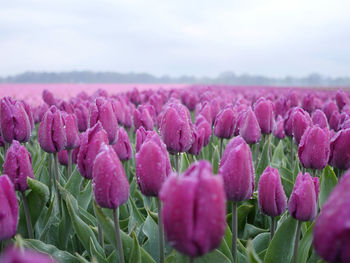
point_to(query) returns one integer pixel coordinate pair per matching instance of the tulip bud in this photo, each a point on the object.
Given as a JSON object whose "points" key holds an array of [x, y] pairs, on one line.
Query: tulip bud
{"points": [[334, 121], [278, 130], [141, 134], [249, 127], [110, 185], [9, 208], [16, 255], [263, 110], [63, 157], [18, 166], [331, 238], [156, 101], [271, 196], [204, 110], [303, 200], [198, 140], [194, 211], [90, 144], [29, 112], [236, 168], [52, 136], [134, 96], [340, 150], [2, 142], [225, 123], [152, 165], [101, 110], [143, 117], [48, 98], [65, 106], [39, 112], [320, 119], [71, 129], [82, 114], [300, 121], [308, 103], [341, 98], [14, 121], [329, 108], [175, 128], [314, 149], [123, 147], [203, 124], [288, 122]]}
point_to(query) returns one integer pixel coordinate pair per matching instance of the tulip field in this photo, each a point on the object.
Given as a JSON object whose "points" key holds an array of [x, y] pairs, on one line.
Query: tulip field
{"points": [[175, 174]]}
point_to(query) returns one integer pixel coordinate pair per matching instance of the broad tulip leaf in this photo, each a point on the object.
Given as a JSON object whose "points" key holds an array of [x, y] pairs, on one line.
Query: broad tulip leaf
{"points": [[327, 183]]}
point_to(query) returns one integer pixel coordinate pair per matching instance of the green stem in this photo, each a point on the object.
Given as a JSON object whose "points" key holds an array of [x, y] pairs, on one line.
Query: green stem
{"points": [[190, 259], [272, 227], [221, 146], [27, 215], [100, 235], [177, 155], [69, 164], [256, 154], [296, 242], [56, 182], [160, 232], [234, 231], [291, 154], [117, 234]]}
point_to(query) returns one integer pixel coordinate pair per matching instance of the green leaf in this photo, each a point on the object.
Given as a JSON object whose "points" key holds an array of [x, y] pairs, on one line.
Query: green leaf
{"points": [[304, 245], [250, 231], [100, 258], [216, 160], [214, 256], [82, 230], [184, 162], [37, 200], [278, 155], [328, 182], [264, 160], [59, 255], [281, 246], [287, 185], [251, 254], [135, 256], [261, 242], [73, 183], [109, 232], [85, 196], [150, 229], [64, 228]]}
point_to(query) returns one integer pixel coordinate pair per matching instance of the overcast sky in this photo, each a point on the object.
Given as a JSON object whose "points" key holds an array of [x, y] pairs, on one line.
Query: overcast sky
{"points": [[203, 38]]}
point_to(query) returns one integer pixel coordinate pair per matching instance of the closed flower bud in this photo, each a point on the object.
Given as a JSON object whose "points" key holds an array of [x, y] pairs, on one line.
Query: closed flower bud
{"points": [[278, 130], [203, 124], [303, 200], [249, 127], [110, 185], [101, 110], [18, 166], [39, 112], [90, 144], [143, 117], [63, 157], [82, 114], [308, 103], [52, 136], [225, 122], [156, 101], [334, 121], [48, 97], [198, 140], [122, 146], [340, 150], [152, 165], [331, 231], [329, 108], [236, 168], [263, 110], [9, 208], [300, 121], [341, 98], [14, 121], [30, 115], [271, 196], [16, 255], [314, 149], [71, 129], [141, 134], [320, 119], [194, 210], [65, 106], [288, 122], [2, 142], [204, 110], [175, 128]]}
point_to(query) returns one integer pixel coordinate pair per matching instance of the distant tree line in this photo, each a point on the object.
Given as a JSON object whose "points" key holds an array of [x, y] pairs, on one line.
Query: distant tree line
{"points": [[226, 78]]}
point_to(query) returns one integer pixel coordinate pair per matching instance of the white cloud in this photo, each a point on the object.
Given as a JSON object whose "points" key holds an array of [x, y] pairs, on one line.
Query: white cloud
{"points": [[269, 37]]}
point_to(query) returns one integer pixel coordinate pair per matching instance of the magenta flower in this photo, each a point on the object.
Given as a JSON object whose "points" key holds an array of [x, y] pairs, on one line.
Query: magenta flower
{"points": [[49, 98], [236, 168], [110, 185], [225, 122], [340, 150], [249, 127], [331, 232], [278, 130], [320, 119], [9, 208], [16, 255], [194, 210], [52, 136], [71, 129], [263, 110], [303, 200], [122, 146], [198, 140], [300, 121], [90, 144], [341, 98], [101, 110], [271, 196], [14, 121], [18, 166], [143, 116], [203, 124], [152, 165]]}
